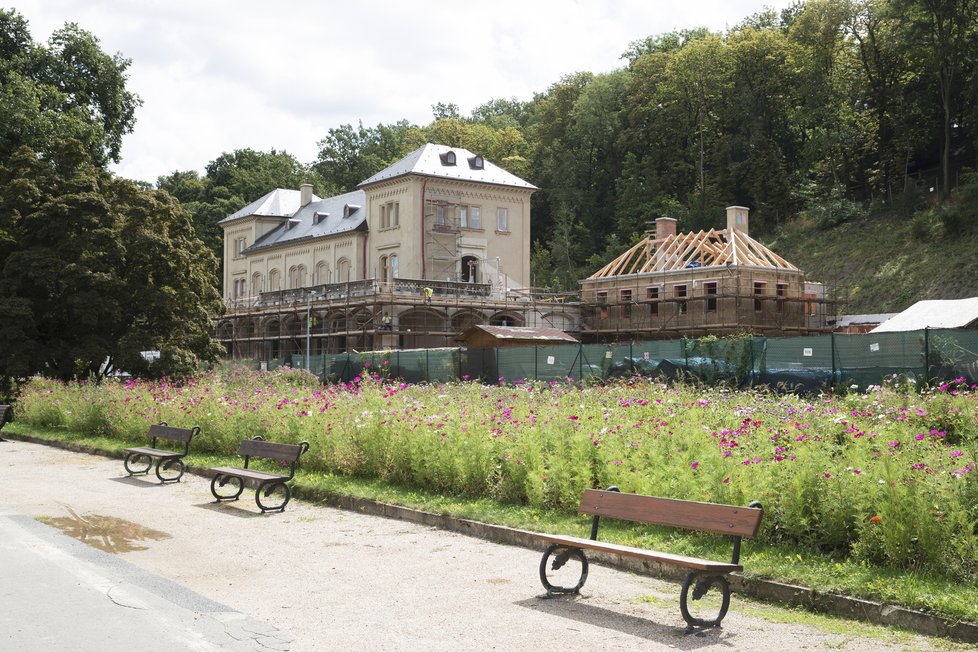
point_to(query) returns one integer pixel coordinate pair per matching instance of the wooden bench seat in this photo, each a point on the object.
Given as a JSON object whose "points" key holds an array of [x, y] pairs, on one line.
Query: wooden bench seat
{"points": [[266, 483], [651, 555], [166, 459], [703, 575]]}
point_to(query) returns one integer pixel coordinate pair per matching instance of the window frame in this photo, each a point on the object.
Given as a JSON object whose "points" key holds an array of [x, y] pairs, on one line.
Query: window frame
{"points": [[502, 219]]}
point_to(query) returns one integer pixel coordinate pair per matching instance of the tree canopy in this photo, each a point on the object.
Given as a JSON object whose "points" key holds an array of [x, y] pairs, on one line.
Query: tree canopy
{"points": [[69, 88], [94, 271]]}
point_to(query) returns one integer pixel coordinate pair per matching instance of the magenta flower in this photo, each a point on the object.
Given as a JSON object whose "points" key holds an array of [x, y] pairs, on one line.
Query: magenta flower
{"points": [[694, 465]]}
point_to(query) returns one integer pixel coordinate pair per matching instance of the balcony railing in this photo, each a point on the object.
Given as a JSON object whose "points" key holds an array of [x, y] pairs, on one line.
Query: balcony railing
{"points": [[355, 289]]}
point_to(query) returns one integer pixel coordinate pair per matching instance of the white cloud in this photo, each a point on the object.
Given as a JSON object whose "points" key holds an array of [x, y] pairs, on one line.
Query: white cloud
{"points": [[217, 76]]}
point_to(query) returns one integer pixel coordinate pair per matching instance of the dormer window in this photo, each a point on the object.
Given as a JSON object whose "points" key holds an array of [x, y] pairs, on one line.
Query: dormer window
{"points": [[291, 222], [350, 209], [319, 217], [447, 158], [476, 162]]}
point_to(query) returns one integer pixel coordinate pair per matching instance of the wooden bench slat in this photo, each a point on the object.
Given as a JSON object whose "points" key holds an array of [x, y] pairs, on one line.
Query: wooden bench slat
{"points": [[270, 450], [247, 473], [705, 517], [155, 452], [170, 432], [676, 560]]}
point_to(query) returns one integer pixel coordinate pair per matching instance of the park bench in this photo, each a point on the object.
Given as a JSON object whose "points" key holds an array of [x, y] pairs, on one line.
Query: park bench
{"points": [[266, 483], [703, 574], [6, 415], [166, 460]]}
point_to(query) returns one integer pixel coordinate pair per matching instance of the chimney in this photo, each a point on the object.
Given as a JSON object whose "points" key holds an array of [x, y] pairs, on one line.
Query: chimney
{"points": [[737, 219], [664, 227], [305, 194]]}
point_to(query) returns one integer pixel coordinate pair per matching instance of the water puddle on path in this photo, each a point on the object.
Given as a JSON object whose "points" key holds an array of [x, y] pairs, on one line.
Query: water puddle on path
{"points": [[106, 533]]}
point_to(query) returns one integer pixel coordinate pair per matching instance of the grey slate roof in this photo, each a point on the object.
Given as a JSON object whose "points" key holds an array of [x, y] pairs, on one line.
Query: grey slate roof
{"points": [[427, 161], [948, 313], [277, 203], [302, 223]]}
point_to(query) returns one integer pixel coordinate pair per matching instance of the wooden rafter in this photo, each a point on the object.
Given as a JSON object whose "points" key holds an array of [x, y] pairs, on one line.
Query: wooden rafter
{"points": [[708, 248]]}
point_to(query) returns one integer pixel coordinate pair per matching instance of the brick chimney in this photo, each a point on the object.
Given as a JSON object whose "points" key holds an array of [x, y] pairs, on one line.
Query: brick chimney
{"points": [[305, 194], [664, 227], [737, 219]]}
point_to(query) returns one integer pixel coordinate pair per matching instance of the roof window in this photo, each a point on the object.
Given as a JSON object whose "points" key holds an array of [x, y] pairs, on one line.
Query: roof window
{"points": [[476, 162], [318, 217], [350, 209], [447, 158], [291, 222]]}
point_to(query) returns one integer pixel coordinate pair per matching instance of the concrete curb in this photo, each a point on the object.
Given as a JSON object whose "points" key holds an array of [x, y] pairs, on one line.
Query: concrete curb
{"points": [[877, 613]]}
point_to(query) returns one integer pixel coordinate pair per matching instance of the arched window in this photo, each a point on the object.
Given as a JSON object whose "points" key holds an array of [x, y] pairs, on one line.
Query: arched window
{"points": [[322, 273], [257, 283], [343, 269], [382, 273], [274, 280], [392, 264]]}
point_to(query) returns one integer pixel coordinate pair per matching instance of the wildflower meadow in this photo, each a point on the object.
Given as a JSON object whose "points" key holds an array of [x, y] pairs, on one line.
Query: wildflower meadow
{"points": [[886, 476]]}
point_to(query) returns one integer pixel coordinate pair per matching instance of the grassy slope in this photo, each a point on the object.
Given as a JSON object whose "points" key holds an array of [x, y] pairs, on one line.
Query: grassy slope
{"points": [[885, 266]]}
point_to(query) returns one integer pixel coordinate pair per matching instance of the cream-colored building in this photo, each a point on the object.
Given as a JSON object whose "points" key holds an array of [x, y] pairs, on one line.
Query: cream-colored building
{"points": [[433, 244], [439, 214]]}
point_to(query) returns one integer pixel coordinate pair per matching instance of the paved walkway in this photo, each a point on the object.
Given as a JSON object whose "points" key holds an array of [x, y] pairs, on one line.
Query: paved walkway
{"points": [[164, 567]]}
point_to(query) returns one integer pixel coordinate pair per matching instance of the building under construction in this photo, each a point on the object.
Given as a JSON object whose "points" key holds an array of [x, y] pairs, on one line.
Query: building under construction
{"points": [[423, 250], [715, 282], [372, 315], [439, 242]]}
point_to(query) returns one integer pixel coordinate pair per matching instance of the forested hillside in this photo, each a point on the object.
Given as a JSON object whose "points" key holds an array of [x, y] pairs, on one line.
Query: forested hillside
{"points": [[832, 110], [888, 261]]}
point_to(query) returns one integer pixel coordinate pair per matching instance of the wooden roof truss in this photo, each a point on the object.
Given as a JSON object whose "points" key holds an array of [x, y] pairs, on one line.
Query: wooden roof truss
{"points": [[692, 250]]}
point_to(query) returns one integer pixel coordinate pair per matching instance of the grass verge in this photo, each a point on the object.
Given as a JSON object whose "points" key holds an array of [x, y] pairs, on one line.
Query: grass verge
{"points": [[792, 565]]}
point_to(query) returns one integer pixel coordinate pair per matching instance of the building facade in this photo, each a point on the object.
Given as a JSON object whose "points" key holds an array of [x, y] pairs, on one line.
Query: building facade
{"points": [[715, 282], [424, 249]]}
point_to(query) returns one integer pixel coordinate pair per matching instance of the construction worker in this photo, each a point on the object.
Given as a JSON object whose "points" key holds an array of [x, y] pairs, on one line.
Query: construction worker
{"points": [[427, 294], [386, 322]]}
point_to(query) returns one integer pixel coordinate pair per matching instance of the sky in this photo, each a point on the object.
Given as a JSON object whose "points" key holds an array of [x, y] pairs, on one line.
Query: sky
{"points": [[219, 75]]}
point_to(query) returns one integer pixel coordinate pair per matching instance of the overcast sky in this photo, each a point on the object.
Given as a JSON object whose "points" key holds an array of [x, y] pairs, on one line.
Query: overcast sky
{"points": [[220, 75]]}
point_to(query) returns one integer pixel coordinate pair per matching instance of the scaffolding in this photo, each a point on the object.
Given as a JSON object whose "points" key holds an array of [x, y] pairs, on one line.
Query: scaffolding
{"points": [[370, 315]]}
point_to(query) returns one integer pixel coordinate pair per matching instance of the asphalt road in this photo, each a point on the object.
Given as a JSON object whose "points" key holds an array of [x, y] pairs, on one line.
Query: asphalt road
{"points": [[163, 567]]}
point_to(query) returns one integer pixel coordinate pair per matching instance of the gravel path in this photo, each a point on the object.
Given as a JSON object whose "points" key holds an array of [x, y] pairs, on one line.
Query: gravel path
{"points": [[330, 578]]}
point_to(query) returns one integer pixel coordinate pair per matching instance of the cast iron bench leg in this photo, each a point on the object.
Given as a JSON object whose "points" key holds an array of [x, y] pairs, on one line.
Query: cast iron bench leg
{"points": [[276, 487], [168, 464], [701, 584], [559, 559], [134, 466], [221, 480]]}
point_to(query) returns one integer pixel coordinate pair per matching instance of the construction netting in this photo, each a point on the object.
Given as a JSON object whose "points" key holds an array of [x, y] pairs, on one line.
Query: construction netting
{"points": [[809, 363]]}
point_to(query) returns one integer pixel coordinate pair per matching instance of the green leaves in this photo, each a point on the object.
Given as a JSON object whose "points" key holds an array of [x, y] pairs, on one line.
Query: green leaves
{"points": [[95, 269], [70, 89]]}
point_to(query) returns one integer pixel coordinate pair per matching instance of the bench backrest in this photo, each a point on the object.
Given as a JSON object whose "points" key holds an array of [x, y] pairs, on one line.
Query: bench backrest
{"points": [[6, 414], [163, 431], [285, 453], [687, 514]]}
